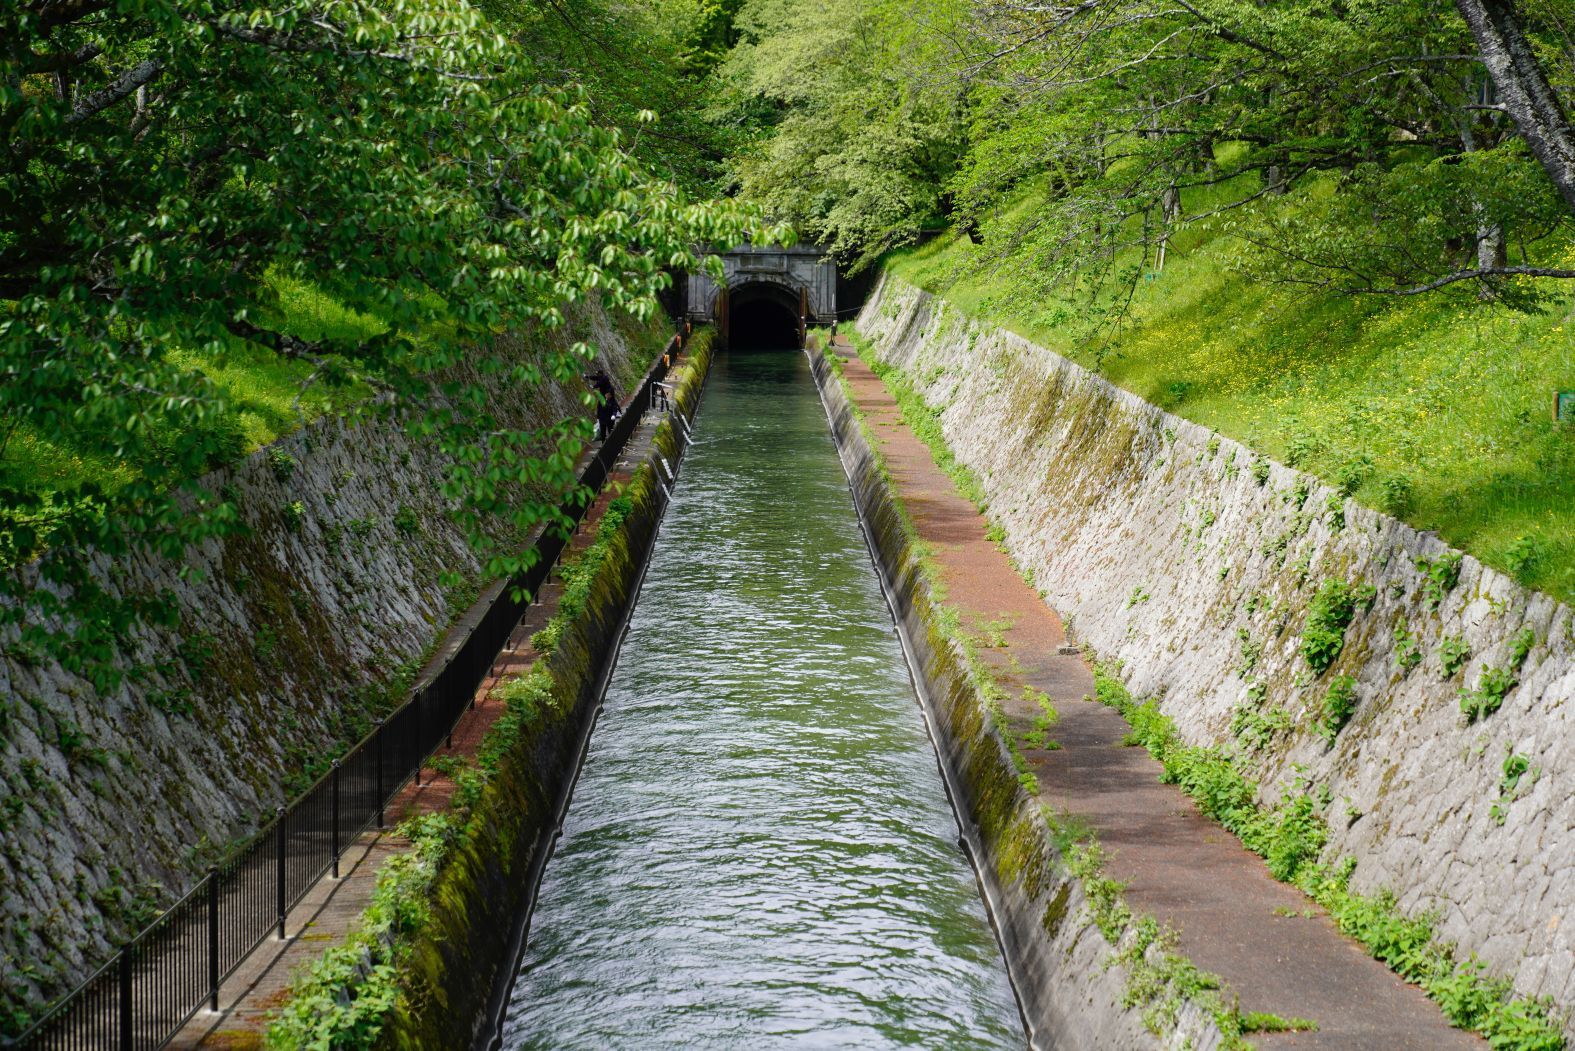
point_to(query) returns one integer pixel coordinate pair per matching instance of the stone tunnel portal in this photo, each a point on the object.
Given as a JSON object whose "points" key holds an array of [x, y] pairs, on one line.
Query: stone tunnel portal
{"points": [[767, 297]]}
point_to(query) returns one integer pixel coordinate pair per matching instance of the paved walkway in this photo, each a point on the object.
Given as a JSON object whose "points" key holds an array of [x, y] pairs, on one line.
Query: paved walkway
{"points": [[333, 907], [1277, 951]]}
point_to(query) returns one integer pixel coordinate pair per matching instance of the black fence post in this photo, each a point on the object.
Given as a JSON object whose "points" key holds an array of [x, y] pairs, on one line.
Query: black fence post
{"points": [[127, 1037], [420, 707], [377, 746], [334, 820], [213, 935], [279, 839]]}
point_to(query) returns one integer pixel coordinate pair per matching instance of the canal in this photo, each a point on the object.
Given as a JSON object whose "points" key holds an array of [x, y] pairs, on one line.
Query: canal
{"points": [[759, 852]]}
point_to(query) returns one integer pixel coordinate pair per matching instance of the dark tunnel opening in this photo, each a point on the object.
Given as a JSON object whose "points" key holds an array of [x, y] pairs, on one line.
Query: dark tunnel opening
{"points": [[762, 317]]}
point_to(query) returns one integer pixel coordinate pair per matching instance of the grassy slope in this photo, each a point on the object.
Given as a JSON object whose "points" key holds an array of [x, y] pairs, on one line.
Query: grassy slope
{"points": [[1433, 393], [259, 386]]}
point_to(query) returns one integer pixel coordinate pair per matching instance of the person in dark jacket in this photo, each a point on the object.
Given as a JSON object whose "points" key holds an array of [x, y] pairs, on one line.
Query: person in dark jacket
{"points": [[606, 402]]}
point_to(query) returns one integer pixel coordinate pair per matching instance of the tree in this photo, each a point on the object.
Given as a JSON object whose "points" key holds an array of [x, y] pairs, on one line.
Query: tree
{"points": [[167, 164], [1131, 119], [855, 142], [1523, 88]]}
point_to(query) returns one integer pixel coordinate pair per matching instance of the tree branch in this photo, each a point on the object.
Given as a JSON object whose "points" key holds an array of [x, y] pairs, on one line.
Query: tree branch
{"points": [[63, 60], [1523, 85], [122, 86], [51, 13], [1480, 272]]}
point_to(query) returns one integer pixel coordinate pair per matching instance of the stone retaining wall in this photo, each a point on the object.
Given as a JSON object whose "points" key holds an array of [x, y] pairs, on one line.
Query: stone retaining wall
{"points": [[293, 638], [1193, 561]]}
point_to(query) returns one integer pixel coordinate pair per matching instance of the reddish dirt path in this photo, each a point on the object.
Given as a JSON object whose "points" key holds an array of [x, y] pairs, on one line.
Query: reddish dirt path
{"points": [[1180, 866]]}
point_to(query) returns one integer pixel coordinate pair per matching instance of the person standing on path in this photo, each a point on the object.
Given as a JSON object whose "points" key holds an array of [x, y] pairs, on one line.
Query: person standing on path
{"points": [[606, 402]]}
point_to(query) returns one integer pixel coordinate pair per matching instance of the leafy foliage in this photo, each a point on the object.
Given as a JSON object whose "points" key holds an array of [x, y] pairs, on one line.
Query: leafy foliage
{"points": [[344, 999], [169, 170], [1328, 615], [1122, 122], [1439, 577], [855, 141], [1487, 697], [1339, 701]]}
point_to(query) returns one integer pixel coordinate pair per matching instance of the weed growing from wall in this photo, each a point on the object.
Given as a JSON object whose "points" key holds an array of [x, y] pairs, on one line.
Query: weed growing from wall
{"points": [[281, 463], [1253, 729], [1328, 615], [1439, 577], [1335, 509], [1406, 651], [1514, 774], [1338, 705], [1251, 650], [1453, 652]]}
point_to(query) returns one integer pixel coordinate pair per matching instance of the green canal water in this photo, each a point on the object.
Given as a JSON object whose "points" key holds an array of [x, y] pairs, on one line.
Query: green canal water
{"points": [[760, 852]]}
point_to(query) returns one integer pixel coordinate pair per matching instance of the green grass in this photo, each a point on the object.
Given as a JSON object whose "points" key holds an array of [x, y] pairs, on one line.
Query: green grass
{"points": [[1434, 408]]}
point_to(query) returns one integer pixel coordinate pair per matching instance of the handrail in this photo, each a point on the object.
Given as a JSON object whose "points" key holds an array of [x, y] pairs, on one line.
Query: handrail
{"points": [[152, 986]]}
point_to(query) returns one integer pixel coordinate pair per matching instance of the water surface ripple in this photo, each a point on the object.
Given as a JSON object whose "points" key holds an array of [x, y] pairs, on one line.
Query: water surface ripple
{"points": [[759, 852]]}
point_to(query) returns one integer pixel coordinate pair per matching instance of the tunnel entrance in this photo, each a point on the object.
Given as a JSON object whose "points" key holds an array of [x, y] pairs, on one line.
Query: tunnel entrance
{"points": [[763, 316]]}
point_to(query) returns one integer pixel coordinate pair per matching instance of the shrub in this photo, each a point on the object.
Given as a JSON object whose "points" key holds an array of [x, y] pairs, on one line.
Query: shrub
{"points": [[1523, 557], [1353, 473], [1394, 496], [1439, 577], [1338, 704], [1328, 616], [1301, 447]]}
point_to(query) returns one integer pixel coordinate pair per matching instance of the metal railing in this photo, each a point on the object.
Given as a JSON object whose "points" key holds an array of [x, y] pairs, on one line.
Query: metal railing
{"points": [[155, 983]]}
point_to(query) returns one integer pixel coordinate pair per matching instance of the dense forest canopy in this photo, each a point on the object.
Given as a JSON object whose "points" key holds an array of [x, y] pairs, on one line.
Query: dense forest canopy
{"points": [[1123, 120], [177, 173]]}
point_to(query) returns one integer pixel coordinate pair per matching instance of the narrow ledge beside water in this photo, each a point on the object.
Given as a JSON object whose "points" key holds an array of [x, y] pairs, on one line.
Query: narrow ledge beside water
{"points": [[760, 852]]}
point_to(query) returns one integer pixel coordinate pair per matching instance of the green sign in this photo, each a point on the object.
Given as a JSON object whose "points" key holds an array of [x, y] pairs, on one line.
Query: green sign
{"points": [[1564, 406]]}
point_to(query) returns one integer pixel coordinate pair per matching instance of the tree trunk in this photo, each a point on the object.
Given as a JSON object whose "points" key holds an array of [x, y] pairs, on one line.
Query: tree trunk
{"points": [[1170, 211], [1523, 88], [1491, 254]]}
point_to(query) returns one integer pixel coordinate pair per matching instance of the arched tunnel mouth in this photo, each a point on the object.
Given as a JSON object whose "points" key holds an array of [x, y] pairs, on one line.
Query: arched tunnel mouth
{"points": [[762, 317]]}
